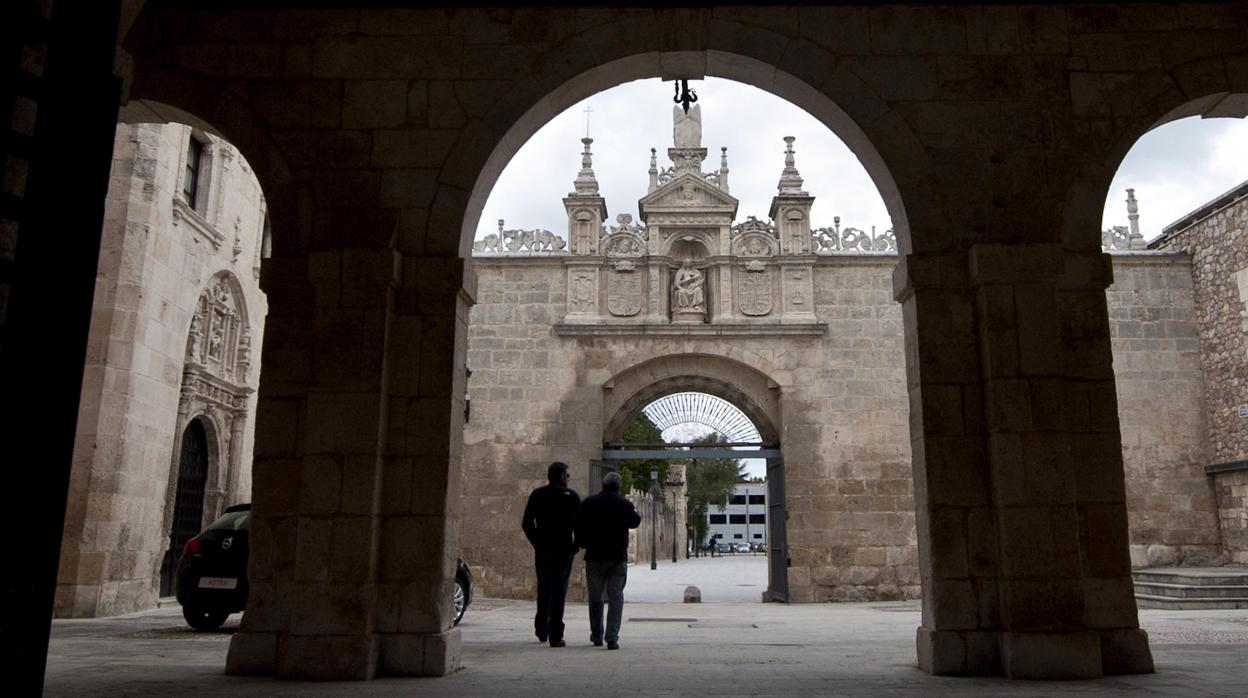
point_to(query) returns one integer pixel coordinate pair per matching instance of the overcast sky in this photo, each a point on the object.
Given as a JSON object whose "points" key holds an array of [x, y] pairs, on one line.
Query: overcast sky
{"points": [[1173, 169], [629, 120]]}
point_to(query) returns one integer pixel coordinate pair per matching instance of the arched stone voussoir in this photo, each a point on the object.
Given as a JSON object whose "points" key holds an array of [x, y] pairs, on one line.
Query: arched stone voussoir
{"points": [[635, 385], [1131, 107]]}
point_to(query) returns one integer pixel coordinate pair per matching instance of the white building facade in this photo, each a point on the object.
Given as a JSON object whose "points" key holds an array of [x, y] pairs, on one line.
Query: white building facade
{"points": [[744, 518]]}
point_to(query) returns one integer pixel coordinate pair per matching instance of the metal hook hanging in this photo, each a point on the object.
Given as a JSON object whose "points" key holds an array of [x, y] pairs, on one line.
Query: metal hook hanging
{"points": [[684, 96]]}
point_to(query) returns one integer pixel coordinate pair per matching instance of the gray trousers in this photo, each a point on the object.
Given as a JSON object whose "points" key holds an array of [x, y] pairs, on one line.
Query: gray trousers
{"points": [[605, 581]]}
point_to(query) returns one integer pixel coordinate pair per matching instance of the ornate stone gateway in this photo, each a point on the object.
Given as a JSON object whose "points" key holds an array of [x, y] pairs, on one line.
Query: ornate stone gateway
{"points": [[215, 392]]}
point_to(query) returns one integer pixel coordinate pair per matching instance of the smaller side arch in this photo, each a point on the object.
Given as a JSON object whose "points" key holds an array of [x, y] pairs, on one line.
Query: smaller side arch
{"points": [[1145, 102]]}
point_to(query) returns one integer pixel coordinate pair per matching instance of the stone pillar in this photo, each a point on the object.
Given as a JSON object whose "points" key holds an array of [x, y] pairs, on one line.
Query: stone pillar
{"points": [[421, 493], [321, 418], [237, 428], [358, 424], [59, 115], [1023, 544]]}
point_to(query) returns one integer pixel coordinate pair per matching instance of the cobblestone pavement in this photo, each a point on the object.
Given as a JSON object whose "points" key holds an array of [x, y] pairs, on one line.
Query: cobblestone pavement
{"points": [[668, 649]]}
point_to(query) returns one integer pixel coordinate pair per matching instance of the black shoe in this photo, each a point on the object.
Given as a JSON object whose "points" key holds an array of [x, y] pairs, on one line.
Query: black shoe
{"points": [[612, 645], [541, 637], [558, 643], [597, 643]]}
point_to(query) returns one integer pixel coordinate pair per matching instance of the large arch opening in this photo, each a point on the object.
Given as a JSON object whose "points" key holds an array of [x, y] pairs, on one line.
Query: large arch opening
{"points": [[688, 65], [717, 493], [1175, 319], [175, 337]]}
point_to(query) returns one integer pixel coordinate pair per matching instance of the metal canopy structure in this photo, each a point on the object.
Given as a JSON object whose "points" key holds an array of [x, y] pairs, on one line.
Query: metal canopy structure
{"points": [[690, 453], [716, 414]]}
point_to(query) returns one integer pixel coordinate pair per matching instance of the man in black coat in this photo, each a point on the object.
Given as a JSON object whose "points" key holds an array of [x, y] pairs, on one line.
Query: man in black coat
{"points": [[548, 520], [602, 529]]}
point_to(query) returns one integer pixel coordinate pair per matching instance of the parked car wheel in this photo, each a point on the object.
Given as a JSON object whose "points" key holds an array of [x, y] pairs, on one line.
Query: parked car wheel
{"points": [[461, 591], [204, 619], [458, 601]]}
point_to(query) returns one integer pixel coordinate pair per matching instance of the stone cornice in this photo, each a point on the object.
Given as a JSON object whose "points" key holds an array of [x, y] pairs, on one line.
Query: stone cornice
{"points": [[768, 329], [182, 212]]}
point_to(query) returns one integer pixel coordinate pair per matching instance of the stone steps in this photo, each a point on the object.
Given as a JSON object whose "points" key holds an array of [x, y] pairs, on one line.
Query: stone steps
{"points": [[1191, 588]]}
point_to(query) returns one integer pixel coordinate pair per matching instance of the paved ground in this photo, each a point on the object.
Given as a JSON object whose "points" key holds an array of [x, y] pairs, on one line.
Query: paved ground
{"points": [[737, 578], [668, 649]]}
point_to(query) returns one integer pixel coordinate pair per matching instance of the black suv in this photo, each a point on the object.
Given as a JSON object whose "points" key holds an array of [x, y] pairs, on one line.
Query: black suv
{"points": [[211, 578]]}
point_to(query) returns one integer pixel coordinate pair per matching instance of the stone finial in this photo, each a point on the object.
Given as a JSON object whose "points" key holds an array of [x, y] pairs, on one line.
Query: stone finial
{"points": [[654, 172], [1135, 240], [790, 179], [586, 183], [723, 168]]}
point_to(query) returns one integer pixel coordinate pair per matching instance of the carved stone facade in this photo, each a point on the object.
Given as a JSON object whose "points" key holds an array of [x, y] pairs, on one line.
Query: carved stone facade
{"points": [[177, 313]]}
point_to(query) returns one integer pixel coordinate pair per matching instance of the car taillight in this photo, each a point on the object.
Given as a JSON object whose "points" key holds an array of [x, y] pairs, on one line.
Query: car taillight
{"points": [[192, 547]]}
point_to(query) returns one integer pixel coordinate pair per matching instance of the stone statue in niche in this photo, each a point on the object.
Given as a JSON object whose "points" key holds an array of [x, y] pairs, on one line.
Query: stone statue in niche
{"points": [[215, 342], [196, 336], [687, 128], [690, 289]]}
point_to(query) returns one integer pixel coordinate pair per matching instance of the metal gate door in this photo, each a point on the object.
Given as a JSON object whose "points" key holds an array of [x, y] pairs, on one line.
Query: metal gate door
{"points": [[188, 502], [777, 534]]}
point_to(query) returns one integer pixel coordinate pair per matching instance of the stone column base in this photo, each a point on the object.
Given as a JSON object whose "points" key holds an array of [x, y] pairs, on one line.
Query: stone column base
{"points": [[1074, 655], [421, 654], [1060, 656], [1126, 651], [688, 317], [958, 652], [303, 657]]}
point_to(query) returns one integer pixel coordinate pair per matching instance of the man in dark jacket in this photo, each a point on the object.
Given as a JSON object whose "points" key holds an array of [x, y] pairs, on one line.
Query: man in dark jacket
{"points": [[602, 529], [548, 520]]}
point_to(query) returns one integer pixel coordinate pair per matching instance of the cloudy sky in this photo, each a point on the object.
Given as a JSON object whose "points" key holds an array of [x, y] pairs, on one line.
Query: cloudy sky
{"points": [[1173, 169]]}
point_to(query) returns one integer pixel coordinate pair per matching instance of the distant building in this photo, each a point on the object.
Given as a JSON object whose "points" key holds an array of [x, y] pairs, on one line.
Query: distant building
{"points": [[744, 518]]}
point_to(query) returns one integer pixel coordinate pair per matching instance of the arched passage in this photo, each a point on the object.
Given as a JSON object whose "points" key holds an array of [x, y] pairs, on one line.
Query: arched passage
{"points": [[1185, 264]]}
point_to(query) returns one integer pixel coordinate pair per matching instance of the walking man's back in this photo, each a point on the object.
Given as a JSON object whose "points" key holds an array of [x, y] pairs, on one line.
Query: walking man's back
{"points": [[548, 520], [602, 529]]}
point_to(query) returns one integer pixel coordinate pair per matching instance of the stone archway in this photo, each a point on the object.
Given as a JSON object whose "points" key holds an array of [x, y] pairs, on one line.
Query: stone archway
{"points": [[757, 397], [999, 313]]}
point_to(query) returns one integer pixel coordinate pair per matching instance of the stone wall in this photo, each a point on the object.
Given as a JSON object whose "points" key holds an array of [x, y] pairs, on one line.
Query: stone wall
{"points": [[1232, 492], [1161, 409], [537, 397], [1216, 237], [155, 263]]}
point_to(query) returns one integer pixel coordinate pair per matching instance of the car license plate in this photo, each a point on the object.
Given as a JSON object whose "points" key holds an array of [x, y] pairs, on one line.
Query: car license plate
{"points": [[218, 583]]}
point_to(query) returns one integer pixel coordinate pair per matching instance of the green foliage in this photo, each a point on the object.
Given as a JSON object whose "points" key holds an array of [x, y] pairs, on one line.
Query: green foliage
{"points": [[635, 474], [710, 483]]}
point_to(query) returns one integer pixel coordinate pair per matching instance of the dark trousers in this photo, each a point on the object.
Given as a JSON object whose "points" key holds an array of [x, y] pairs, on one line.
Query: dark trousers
{"points": [[552, 590], [605, 580]]}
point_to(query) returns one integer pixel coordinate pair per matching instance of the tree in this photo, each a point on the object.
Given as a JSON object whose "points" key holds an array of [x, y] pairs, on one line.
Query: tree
{"points": [[710, 482], [635, 473]]}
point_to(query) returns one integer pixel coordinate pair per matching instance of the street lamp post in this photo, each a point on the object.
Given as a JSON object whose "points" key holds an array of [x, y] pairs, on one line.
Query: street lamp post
{"points": [[654, 518], [674, 528]]}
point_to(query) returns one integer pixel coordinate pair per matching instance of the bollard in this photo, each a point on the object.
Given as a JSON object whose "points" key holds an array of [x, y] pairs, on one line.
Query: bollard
{"points": [[693, 595]]}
